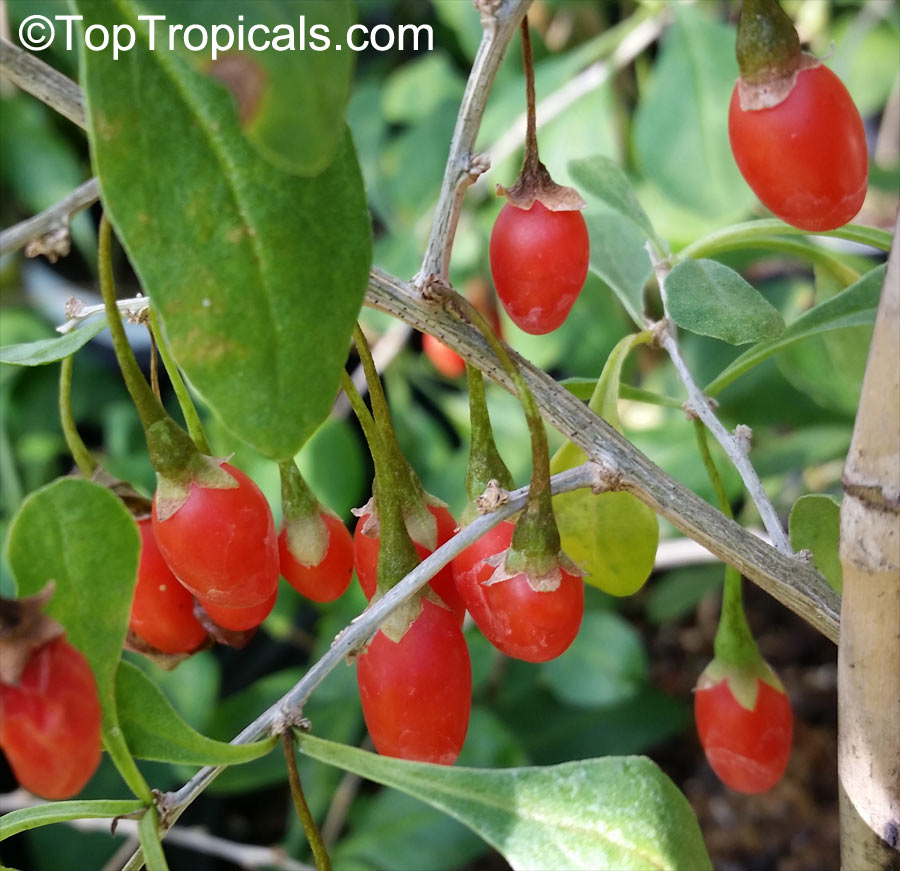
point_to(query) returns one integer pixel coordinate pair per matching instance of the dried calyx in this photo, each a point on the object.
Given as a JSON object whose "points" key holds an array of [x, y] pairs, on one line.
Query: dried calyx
{"points": [[24, 627], [768, 54], [307, 532], [534, 182]]}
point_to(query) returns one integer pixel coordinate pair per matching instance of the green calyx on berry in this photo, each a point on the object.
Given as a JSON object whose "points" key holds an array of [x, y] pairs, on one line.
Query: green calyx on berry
{"points": [[737, 657], [534, 183], [535, 549], [397, 555], [743, 681], [485, 463], [768, 55], [306, 531]]}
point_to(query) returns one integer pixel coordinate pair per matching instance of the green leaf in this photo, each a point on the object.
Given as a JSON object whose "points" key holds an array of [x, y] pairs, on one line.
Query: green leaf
{"points": [[416, 88], [603, 178], [23, 819], [612, 537], [154, 730], [403, 834], [81, 536], [151, 841], [290, 103], [680, 125], [257, 275], [44, 351], [708, 298], [605, 665], [853, 307], [617, 812], [815, 524], [679, 591], [619, 257], [584, 388]]}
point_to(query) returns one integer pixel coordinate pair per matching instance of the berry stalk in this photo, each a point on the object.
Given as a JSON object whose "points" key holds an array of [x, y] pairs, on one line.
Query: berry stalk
{"points": [[85, 461], [397, 555], [172, 452], [734, 643], [536, 539], [485, 463], [191, 418]]}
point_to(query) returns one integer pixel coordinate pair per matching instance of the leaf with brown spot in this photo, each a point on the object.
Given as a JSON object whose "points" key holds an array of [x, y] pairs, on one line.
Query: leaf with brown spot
{"points": [[257, 275], [290, 104]]}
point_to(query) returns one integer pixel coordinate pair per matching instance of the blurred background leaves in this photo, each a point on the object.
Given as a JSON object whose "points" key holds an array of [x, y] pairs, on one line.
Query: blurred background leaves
{"points": [[661, 118]]}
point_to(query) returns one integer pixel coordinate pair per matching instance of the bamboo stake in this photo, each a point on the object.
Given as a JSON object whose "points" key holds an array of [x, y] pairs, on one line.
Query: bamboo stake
{"points": [[869, 650]]}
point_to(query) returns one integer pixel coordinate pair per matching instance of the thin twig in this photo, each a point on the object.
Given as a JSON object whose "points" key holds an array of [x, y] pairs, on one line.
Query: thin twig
{"points": [[249, 856], [129, 307], [589, 79], [794, 582], [313, 835], [51, 222], [699, 405], [384, 349], [40, 80], [500, 21], [363, 627]]}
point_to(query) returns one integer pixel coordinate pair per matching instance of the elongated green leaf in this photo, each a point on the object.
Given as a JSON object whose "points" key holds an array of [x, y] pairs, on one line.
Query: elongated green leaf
{"points": [[815, 524], [603, 178], [853, 307], [617, 812], [605, 665], [50, 350], [154, 730], [81, 536], [708, 298], [257, 275], [62, 811], [618, 257], [612, 537], [151, 842], [584, 388], [290, 102], [680, 126]]}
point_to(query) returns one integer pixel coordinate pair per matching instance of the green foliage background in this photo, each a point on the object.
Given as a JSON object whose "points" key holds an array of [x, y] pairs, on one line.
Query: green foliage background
{"points": [[599, 699]]}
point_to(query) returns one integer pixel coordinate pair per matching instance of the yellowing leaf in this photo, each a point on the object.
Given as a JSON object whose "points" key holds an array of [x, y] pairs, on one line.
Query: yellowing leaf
{"points": [[612, 536]]}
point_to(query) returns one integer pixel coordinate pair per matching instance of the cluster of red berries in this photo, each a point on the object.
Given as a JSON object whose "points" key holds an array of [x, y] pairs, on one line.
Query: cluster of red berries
{"points": [[220, 550], [416, 692], [214, 564]]}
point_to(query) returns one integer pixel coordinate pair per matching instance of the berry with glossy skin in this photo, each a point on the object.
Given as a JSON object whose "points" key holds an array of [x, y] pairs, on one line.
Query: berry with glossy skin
{"points": [[748, 749], [221, 543], [240, 619], [330, 578], [417, 693], [806, 158], [519, 621], [365, 559], [50, 722], [539, 262], [162, 611]]}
